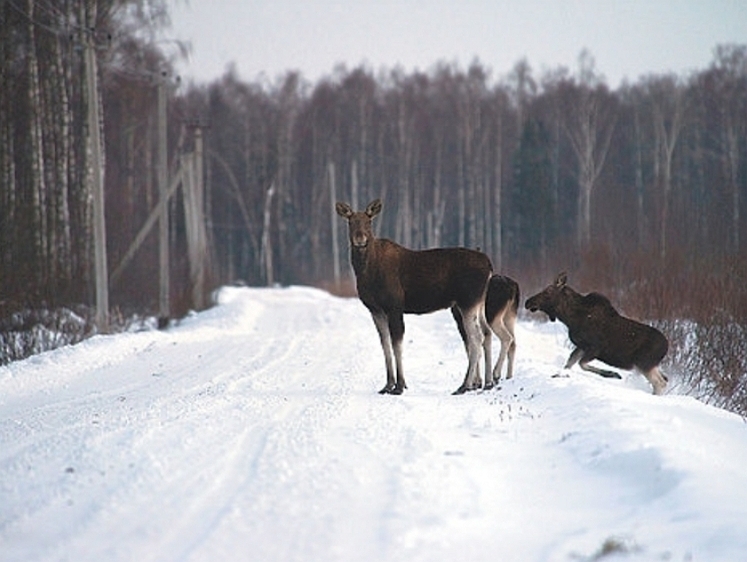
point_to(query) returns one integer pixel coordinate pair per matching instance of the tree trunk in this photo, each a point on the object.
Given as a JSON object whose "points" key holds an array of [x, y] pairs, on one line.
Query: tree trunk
{"points": [[268, 269], [7, 170], [731, 142], [37, 174], [333, 223], [63, 243], [639, 187], [590, 138], [435, 226], [668, 120], [498, 195]]}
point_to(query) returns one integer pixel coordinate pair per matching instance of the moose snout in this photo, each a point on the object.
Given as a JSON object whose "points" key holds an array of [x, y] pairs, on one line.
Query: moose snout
{"points": [[360, 240]]}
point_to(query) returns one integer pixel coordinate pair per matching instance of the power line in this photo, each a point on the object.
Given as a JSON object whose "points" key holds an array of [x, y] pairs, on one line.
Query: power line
{"points": [[64, 28], [68, 30], [37, 23]]}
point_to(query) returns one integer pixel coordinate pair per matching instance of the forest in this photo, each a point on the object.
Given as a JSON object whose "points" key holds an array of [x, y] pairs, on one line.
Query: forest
{"points": [[639, 192]]}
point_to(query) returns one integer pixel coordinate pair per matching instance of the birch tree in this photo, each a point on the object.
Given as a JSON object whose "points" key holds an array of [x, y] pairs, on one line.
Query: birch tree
{"points": [[730, 68], [589, 126], [668, 103]]}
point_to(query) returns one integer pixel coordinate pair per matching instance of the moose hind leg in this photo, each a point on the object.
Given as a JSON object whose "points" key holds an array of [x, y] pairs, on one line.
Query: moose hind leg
{"points": [[506, 339], [510, 323], [657, 380], [382, 326], [457, 314], [487, 348], [474, 332]]}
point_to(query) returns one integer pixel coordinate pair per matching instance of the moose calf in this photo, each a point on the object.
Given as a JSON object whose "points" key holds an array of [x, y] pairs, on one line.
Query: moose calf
{"points": [[599, 332], [501, 310]]}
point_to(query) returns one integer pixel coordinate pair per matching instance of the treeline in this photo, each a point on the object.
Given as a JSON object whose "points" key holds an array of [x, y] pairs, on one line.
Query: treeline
{"points": [[640, 187]]}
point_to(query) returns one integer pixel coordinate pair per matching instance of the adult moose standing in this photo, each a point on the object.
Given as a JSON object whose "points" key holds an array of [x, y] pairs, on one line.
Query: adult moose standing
{"points": [[599, 332], [393, 280]]}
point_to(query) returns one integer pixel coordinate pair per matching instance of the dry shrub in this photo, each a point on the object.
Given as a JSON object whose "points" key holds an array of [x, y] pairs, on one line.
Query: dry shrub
{"points": [[26, 332], [710, 360]]}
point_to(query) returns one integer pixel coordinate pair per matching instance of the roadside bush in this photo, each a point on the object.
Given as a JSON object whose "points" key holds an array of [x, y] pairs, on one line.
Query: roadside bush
{"points": [[26, 332], [709, 360]]}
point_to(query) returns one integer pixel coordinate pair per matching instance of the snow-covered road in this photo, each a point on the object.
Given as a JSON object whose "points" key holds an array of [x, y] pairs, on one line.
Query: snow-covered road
{"points": [[253, 431]]}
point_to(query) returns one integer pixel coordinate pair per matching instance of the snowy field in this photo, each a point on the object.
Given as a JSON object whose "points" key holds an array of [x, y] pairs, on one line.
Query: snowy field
{"points": [[254, 431]]}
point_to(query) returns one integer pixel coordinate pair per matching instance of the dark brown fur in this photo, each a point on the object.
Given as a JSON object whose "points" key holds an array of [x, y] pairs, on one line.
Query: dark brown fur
{"points": [[599, 332], [393, 280]]}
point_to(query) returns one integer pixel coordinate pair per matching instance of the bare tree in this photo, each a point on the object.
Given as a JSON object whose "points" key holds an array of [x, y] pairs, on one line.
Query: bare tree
{"points": [[589, 127], [730, 68], [668, 102]]}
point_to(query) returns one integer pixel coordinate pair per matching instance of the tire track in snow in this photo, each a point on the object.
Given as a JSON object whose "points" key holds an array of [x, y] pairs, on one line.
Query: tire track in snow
{"points": [[297, 414]]}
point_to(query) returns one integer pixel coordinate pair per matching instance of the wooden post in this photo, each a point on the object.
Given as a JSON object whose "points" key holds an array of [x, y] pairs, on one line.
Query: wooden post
{"points": [[97, 177], [195, 221]]}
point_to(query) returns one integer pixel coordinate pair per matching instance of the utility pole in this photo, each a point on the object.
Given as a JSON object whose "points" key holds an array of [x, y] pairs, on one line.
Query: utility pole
{"points": [[193, 190], [164, 308], [97, 188], [199, 205]]}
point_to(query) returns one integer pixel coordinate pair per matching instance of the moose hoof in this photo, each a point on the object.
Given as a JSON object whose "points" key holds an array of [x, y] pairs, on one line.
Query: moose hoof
{"points": [[392, 390]]}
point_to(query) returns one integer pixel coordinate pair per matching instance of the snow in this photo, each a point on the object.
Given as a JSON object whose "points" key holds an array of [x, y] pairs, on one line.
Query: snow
{"points": [[253, 431]]}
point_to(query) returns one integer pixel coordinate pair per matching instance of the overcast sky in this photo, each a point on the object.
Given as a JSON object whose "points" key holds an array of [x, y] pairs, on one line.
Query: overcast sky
{"points": [[628, 38]]}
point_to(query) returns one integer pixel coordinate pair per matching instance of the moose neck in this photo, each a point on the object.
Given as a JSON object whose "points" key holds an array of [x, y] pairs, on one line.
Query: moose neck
{"points": [[361, 257], [567, 307]]}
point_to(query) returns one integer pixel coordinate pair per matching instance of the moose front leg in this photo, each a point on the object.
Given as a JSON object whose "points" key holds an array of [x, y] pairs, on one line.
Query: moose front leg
{"points": [[575, 355], [397, 331], [583, 358], [382, 326], [584, 364]]}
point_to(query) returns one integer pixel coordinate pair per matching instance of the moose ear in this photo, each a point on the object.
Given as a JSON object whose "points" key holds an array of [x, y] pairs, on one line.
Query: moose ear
{"points": [[344, 210], [374, 208], [561, 280]]}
